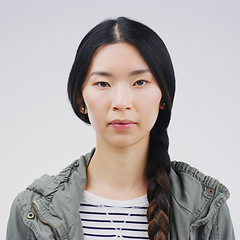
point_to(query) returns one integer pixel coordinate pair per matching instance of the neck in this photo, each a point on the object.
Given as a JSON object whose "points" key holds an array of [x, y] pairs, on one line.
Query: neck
{"points": [[118, 173]]}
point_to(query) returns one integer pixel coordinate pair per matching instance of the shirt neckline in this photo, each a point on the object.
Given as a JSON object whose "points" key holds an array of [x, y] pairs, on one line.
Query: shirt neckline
{"points": [[98, 200]]}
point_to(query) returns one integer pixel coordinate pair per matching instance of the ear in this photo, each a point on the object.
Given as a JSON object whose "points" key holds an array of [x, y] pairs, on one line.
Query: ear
{"points": [[162, 105], [81, 105]]}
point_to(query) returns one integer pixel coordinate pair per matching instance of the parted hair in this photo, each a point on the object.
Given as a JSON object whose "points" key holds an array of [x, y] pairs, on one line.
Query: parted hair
{"points": [[156, 55]]}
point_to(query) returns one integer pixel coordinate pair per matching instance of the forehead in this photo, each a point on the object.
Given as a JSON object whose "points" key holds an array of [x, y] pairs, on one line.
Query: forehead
{"points": [[122, 56]]}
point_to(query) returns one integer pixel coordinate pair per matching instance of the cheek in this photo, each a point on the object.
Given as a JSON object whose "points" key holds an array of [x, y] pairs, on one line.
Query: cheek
{"points": [[152, 97], [95, 106], [150, 106], [89, 100]]}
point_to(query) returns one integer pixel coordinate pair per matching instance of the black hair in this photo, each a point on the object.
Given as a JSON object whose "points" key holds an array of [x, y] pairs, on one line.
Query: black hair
{"points": [[156, 55]]}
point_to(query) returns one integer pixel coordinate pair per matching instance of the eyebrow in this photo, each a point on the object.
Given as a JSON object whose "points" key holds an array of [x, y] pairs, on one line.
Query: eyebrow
{"points": [[101, 73], [138, 72], [133, 73]]}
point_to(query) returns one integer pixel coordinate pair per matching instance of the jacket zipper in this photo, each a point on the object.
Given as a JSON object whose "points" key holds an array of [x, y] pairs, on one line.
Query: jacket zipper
{"points": [[54, 230]]}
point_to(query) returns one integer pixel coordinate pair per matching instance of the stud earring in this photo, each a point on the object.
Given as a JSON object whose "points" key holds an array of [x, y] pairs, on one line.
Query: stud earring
{"points": [[83, 110], [162, 105]]}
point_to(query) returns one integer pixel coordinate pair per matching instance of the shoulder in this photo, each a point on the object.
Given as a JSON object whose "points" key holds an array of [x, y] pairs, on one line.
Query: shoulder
{"points": [[193, 190], [46, 195], [47, 186], [198, 204]]}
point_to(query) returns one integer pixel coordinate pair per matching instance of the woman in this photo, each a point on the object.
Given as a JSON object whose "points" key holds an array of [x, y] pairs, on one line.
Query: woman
{"points": [[122, 83]]}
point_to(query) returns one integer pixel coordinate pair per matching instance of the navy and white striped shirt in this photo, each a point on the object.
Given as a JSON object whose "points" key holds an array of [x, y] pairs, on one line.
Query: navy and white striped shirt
{"points": [[104, 218]]}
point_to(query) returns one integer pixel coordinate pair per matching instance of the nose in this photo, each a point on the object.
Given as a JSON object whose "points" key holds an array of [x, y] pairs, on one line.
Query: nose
{"points": [[122, 98]]}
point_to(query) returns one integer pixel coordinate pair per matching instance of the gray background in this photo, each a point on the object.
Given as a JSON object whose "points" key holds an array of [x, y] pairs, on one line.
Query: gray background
{"points": [[39, 131]]}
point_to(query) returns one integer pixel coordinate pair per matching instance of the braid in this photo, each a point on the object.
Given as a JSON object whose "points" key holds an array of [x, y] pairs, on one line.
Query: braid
{"points": [[158, 187]]}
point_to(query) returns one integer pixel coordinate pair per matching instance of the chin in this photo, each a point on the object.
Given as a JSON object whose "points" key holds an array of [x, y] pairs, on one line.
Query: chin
{"points": [[125, 143]]}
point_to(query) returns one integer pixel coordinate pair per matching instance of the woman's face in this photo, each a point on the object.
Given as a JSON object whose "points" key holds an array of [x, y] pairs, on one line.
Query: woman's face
{"points": [[122, 98]]}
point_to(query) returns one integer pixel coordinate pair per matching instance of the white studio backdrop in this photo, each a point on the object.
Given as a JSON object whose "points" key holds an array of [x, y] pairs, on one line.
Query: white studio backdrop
{"points": [[39, 131]]}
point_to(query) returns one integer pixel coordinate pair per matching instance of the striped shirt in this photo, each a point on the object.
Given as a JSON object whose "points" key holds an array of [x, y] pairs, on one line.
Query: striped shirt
{"points": [[104, 218]]}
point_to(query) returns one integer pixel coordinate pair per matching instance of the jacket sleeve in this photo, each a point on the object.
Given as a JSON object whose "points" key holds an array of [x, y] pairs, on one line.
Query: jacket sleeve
{"points": [[16, 228], [224, 228]]}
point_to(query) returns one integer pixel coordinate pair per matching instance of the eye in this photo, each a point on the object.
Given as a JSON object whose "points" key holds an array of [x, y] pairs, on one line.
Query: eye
{"points": [[102, 84], [140, 82]]}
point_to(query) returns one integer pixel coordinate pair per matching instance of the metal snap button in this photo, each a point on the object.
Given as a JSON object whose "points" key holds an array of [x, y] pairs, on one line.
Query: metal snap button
{"points": [[76, 164], [210, 191], [30, 215]]}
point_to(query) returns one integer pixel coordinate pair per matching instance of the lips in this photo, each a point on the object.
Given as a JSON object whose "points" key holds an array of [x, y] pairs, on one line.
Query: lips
{"points": [[125, 121], [122, 124]]}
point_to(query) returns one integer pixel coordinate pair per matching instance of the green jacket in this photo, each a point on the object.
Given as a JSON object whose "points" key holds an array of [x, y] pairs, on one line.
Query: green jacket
{"points": [[49, 207]]}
